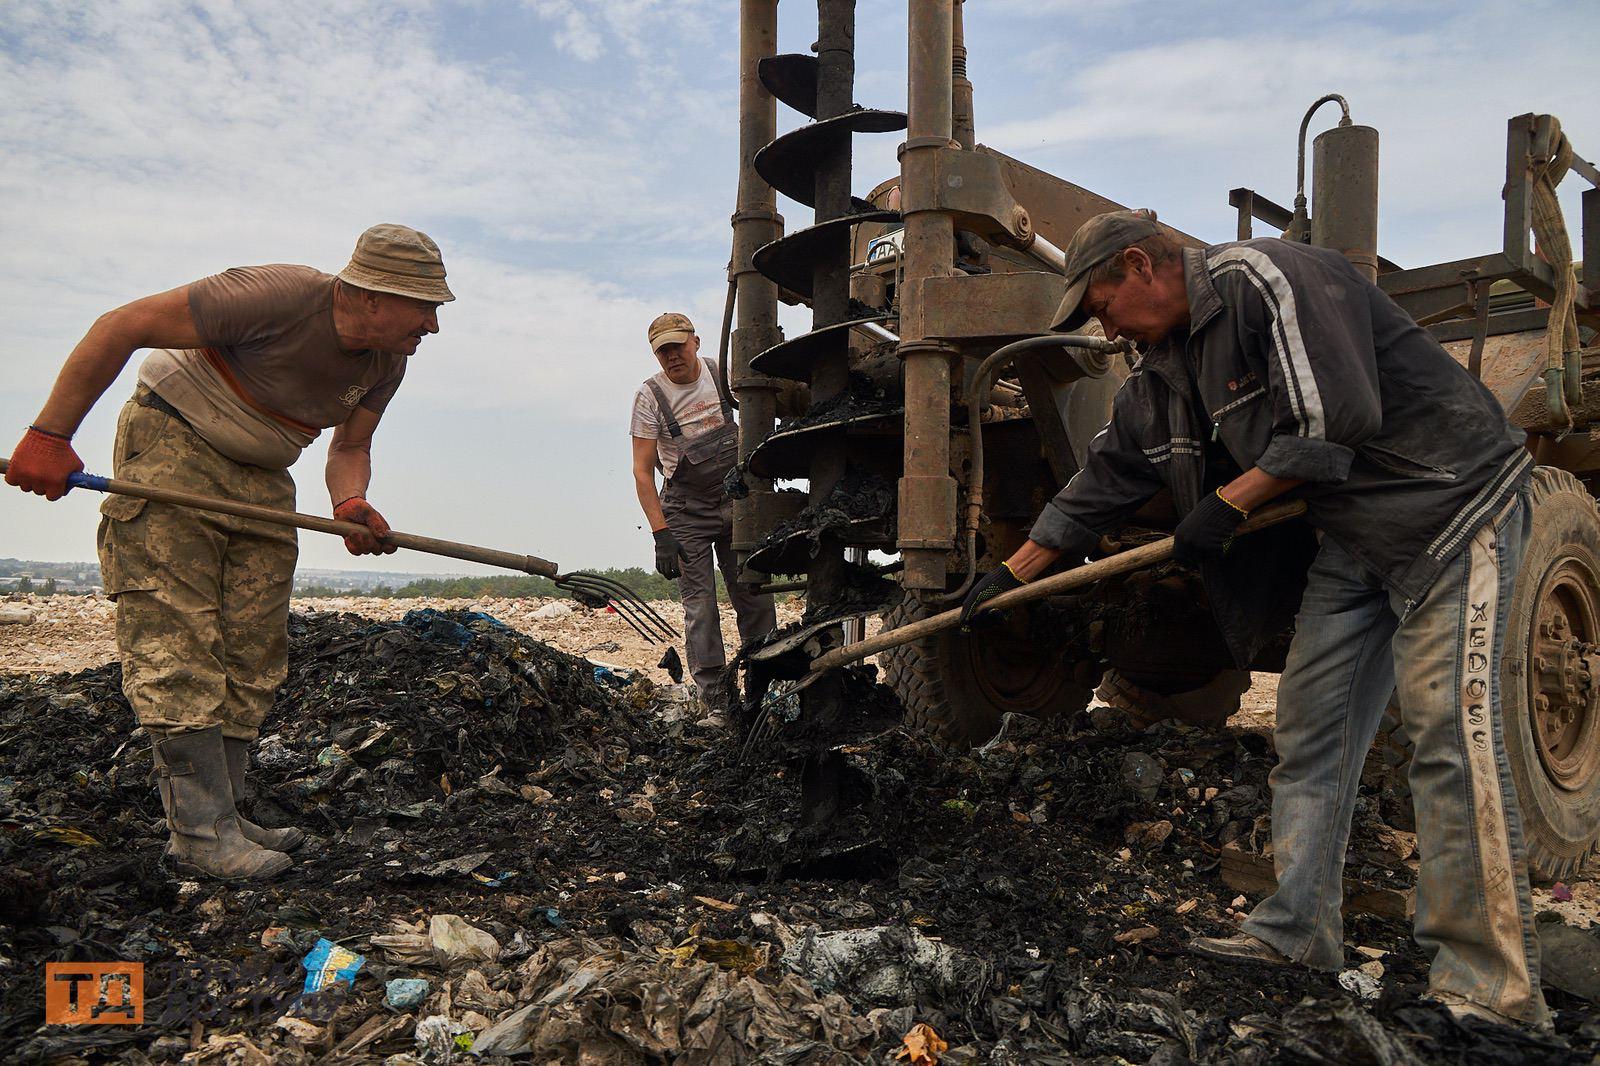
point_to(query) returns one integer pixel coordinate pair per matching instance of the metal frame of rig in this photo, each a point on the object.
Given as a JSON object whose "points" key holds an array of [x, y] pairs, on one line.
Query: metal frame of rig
{"points": [[894, 399]]}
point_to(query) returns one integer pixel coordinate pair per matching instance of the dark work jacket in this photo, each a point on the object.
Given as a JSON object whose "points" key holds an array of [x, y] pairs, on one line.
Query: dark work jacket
{"points": [[1295, 363]]}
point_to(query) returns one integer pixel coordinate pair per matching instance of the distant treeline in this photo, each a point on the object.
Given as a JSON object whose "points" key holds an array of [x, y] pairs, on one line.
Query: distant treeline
{"points": [[646, 583]]}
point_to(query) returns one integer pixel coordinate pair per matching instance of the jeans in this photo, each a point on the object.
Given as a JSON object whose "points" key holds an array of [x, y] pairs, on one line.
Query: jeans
{"points": [[1355, 644]]}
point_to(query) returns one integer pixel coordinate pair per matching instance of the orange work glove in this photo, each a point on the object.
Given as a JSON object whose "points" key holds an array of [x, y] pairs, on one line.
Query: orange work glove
{"points": [[41, 462], [358, 510]]}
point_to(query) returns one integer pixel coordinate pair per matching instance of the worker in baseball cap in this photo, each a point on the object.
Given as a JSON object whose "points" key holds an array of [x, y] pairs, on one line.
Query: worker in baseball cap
{"points": [[683, 426], [246, 368], [1272, 369]]}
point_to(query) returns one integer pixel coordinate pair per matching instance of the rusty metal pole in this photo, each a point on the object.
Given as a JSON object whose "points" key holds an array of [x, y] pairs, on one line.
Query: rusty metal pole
{"points": [[822, 775], [927, 497], [755, 222], [963, 128], [1344, 195], [830, 299]]}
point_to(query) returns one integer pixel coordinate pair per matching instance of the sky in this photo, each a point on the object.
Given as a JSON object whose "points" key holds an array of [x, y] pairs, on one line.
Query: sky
{"points": [[576, 162]]}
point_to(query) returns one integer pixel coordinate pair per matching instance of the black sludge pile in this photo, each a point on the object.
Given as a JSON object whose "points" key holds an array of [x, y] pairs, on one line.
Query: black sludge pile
{"points": [[539, 862]]}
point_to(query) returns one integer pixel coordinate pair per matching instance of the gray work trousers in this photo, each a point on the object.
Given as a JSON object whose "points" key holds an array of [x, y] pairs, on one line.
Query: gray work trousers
{"points": [[701, 519], [1356, 643]]}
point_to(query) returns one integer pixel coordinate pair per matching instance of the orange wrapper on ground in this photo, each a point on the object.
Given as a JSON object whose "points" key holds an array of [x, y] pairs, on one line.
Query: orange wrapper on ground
{"points": [[923, 1046]]}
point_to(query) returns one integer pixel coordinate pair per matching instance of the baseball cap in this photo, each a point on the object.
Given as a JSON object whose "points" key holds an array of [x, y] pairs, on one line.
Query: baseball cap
{"points": [[670, 328], [1097, 240], [399, 260]]}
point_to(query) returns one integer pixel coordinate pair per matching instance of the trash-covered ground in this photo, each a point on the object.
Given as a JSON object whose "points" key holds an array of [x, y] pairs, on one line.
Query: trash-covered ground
{"points": [[79, 632], [515, 856]]}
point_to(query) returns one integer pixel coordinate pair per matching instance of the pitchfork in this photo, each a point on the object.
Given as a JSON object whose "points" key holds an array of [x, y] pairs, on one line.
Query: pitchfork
{"points": [[591, 590]]}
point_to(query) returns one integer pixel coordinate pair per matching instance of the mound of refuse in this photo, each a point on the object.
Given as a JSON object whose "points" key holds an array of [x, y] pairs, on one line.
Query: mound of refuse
{"points": [[518, 855]]}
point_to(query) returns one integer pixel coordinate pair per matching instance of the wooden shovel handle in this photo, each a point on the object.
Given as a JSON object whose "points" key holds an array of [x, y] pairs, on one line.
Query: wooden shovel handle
{"points": [[1126, 562], [472, 553]]}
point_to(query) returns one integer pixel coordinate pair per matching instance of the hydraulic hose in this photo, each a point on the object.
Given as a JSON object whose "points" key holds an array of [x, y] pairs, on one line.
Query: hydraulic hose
{"points": [[1087, 347], [722, 342]]}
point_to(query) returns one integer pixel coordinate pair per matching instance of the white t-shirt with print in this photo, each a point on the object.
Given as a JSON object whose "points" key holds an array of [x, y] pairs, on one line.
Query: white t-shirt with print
{"points": [[697, 406]]}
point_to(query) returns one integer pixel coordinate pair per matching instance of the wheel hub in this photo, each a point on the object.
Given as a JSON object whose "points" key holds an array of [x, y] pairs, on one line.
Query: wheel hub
{"points": [[1565, 674], [1012, 668]]}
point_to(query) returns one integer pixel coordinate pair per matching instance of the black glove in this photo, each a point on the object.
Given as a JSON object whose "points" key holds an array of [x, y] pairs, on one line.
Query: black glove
{"points": [[990, 585], [667, 553], [1206, 531]]}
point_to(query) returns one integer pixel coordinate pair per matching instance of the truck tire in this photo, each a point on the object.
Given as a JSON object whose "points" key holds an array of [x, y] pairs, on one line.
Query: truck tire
{"points": [[1552, 715], [955, 689], [1552, 726]]}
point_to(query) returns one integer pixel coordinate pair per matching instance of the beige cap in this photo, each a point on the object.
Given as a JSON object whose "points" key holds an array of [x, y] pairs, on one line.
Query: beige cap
{"points": [[398, 260], [670, 328]]}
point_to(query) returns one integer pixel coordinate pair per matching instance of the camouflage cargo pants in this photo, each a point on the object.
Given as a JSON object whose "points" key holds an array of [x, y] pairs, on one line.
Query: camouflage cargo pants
{"points": [[202, 599]]}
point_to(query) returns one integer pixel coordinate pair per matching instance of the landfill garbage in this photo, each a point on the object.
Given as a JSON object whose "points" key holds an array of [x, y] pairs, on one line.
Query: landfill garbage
{"points": [[923, 1046], [441, 1039], [406, 943], [1144, 773], [608, 1004], [672, 664], [454, 941], [554, 609], [1560, 891], [327, 963], [301, 1030], [12, 615], [612, 676], [1569, 959], [1360, 983], [405, 993], [886, 966], [978, 892]]}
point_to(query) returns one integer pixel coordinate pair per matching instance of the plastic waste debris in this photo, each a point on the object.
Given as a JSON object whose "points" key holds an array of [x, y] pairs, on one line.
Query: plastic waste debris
{"points": [[1143, 773], [1569, 959], [922, 1046], [405, 993], [327, 963], [1361, 984], [672, 664], [441, 1039], [455, 941], [885, 966]]}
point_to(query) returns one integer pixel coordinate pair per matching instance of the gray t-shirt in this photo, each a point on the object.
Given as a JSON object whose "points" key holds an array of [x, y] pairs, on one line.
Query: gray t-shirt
{"points": [[271, 375], [697, 407]]}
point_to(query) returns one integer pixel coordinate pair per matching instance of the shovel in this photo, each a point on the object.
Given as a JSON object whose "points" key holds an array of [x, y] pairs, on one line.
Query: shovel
{"points": [[592, 590], [1125, 562]]}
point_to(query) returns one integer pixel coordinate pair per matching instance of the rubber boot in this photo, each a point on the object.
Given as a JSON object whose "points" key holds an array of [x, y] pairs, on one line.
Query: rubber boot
{"points": [[238, 752], [192, 774]]}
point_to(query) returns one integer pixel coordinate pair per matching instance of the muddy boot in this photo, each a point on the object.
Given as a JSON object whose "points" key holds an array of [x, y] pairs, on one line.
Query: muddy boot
{"points": [[1241, 947], [192, 774], [238, 752], [714, 698]]}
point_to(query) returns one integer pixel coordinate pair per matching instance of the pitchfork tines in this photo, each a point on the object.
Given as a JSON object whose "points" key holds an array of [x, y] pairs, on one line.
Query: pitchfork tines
{"points": [[597, 590]]}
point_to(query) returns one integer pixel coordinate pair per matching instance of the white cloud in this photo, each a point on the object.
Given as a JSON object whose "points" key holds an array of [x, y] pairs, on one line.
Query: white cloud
{"points": [[575, 159], [147, 146], [642, 28], [1175, 124]]}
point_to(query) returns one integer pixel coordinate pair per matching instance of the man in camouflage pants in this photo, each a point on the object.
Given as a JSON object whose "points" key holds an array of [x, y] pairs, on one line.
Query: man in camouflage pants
{"points": [[247, 368]]}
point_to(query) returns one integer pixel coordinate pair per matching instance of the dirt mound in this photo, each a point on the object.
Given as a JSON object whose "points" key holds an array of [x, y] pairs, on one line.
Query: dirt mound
{"points": [[639, 891]]}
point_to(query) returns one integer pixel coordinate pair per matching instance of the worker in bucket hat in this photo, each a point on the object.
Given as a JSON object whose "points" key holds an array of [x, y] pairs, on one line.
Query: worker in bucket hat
{"points": [[246, 368]]}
